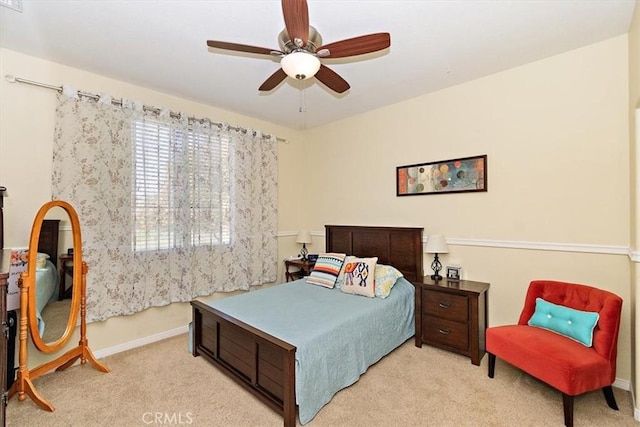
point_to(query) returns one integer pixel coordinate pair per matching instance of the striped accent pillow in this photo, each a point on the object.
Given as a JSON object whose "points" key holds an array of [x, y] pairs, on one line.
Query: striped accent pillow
{"points": [[326, 270]]}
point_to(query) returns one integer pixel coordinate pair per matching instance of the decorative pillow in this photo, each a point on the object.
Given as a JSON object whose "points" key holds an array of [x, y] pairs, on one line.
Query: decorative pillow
{"points": [[575, 324], [41, 260], [359, 277], [386, 277], [326, 270], [340, 279]]}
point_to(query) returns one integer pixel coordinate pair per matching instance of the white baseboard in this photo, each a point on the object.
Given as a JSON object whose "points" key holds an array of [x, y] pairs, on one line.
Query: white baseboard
{"points": [[627, 385], [636, 410], [623, 384], [140, 342]]}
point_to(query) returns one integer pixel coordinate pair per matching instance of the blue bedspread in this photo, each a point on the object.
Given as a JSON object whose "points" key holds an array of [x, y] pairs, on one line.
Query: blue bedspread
{"points": [[46, 290], [337, 335]]}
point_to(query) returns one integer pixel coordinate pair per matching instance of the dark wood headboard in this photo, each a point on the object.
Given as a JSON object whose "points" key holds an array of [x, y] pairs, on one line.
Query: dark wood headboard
{"points": [[400, 247], [48, 240]]}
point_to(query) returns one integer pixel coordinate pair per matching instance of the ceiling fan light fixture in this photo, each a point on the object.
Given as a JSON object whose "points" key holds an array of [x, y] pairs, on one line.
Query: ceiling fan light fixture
{"points": [[300, 65]]}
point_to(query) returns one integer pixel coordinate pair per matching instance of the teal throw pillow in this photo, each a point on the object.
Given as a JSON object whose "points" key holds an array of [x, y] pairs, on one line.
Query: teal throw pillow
{"points": [[575, 324]]}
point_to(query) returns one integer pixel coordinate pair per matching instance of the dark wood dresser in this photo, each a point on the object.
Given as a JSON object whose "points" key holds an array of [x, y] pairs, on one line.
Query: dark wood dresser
{"points": [[452, 315], [5, 260]]}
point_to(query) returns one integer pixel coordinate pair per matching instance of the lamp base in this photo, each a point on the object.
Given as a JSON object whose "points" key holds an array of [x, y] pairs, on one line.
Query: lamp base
{"points": [[436, 266], [304, 252]]}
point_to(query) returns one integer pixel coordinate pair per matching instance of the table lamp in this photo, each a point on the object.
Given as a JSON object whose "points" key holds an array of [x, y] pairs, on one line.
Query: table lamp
{"points": [[304, 237], [436, 244]]}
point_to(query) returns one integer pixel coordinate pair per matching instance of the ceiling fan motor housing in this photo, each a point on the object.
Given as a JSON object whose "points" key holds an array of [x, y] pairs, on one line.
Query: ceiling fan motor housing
{"points": [[287, 45]]}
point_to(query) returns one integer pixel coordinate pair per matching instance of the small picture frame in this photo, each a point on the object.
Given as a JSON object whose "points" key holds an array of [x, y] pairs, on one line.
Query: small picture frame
{"points": [[454, 273]]}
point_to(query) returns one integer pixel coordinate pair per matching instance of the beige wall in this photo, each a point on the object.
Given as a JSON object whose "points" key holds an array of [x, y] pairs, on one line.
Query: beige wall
{"points": [[634, 134], [26, 141], [27, 117], [556, 135], [555, 132]]}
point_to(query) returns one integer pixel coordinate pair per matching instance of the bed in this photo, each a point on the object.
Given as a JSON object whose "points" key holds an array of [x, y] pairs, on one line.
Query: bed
{"points": [[271, 355], [46, 272], [46, 291]]}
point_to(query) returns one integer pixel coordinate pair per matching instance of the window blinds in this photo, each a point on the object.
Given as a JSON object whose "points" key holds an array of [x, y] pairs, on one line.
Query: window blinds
{"points": [[181, 189]]}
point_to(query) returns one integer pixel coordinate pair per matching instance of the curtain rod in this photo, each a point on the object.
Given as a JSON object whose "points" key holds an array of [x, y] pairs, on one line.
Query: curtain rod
{"points": [[12, 79]]}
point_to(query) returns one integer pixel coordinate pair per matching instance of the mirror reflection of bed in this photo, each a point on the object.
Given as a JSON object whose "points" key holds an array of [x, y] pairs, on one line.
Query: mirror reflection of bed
{"points": [[53, 285]]}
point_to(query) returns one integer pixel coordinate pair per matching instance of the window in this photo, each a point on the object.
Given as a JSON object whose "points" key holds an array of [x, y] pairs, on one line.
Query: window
{"points": [[182, 187]]}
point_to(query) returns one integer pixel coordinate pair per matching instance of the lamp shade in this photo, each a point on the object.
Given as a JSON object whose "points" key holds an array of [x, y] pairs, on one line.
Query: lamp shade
{"points": [[300, 65], [436, 244], [304, 237]]}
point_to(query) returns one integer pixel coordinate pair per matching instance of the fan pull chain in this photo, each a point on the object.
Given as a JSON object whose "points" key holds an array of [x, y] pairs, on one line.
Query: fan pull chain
{"points": [[303, 100], [303, 105]]}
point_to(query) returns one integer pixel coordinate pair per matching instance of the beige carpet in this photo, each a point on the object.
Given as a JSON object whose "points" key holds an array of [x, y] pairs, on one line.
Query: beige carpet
{"points": [[55, 315], [162, 384]]}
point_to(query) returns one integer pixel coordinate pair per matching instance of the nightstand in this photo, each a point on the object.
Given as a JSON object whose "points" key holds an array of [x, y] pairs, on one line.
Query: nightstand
{"points": [[452, 316], [304, 268], [66, 267]]}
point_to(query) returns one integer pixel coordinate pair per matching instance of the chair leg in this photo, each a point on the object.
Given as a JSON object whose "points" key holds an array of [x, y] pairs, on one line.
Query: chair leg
{"points": [[567, 403], [611, 399], [492, 364]]}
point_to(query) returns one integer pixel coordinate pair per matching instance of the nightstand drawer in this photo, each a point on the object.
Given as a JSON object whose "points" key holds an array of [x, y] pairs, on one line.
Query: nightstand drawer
{"points": [[446, 305], [445, 332]]}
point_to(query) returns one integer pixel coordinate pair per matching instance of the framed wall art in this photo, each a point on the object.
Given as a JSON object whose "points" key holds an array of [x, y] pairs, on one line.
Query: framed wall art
{"points": [[446, 176]]}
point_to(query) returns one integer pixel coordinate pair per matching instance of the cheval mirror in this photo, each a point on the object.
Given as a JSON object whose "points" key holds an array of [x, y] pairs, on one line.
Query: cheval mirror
{"points": [[49, 304]]}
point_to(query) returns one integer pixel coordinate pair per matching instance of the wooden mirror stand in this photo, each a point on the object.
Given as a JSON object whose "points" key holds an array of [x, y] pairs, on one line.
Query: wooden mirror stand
{"points": [[28, 321]]}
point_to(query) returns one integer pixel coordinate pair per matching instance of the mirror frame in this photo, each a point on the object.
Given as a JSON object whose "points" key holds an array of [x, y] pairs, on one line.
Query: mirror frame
{"points": [[31, 277]]}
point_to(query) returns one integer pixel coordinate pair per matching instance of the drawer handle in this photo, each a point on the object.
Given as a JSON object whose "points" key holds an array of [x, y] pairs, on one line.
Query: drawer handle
{"points": [[444, 305], [444, 331]]}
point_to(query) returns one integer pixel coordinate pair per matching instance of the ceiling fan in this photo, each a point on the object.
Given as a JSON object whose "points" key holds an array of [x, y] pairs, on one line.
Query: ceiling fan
{"points": [[301, 48]]}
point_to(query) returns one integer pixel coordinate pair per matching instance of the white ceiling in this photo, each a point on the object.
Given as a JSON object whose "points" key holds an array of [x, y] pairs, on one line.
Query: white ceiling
{"points": [[434, 44]]}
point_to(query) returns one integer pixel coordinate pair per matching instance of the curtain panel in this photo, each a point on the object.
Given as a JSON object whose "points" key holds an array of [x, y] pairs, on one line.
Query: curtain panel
{"points": [[94, 170]]}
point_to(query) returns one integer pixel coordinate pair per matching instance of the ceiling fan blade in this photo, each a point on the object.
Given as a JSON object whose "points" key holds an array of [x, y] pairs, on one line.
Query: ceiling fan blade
{"points": [[296, 19], [331, 79], [273, 80], [240, 47], [357, 45]]}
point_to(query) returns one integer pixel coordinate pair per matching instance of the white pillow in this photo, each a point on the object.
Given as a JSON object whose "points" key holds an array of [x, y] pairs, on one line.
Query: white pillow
{"points": [[359, 277]]}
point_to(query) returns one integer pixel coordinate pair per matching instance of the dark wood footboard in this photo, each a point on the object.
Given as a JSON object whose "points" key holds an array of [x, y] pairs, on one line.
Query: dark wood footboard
{"points": [[259, 362]]}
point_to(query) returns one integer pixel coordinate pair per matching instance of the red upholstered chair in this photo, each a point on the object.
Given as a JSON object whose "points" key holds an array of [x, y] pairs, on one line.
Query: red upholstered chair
{"points": [[565, 364]]}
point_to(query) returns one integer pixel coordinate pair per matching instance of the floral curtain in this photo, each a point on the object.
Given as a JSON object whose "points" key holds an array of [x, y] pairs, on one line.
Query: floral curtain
{"points": [[93, 170]]}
